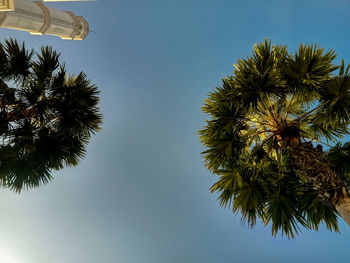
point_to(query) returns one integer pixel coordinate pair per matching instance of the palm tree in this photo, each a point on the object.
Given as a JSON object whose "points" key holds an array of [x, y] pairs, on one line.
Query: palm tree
{"points": [[46, 117], [274, 138]]}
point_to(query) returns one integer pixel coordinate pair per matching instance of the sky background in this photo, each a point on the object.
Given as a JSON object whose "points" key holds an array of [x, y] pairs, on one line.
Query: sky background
{"points": [[141, 194]]}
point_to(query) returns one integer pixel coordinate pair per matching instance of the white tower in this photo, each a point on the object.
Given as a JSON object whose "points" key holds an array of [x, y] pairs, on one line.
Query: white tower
{"points": [[39, 19]]}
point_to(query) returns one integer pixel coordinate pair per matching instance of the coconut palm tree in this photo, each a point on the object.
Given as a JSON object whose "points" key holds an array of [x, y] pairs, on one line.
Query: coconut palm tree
{"points": [[274, 138], [46, 117]]}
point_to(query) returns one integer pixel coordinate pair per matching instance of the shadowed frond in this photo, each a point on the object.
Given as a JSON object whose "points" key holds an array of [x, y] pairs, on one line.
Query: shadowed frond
{"points": [[18, 64]]}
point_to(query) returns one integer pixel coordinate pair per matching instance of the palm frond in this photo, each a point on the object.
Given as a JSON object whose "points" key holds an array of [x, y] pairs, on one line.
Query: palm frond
{"points": [[335, 100], [307, 69], [18, 60], [258, 75], [283, 214]]}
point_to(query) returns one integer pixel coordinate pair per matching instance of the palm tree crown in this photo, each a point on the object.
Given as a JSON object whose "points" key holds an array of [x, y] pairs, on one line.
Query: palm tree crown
{"points": [[46, 117], [268, 122]]}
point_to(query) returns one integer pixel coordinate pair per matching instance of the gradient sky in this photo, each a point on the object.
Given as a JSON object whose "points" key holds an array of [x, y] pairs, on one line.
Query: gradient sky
{"points": [[141, 194]]}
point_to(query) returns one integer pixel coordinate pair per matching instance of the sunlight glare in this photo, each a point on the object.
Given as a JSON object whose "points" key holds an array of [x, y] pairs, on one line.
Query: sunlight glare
{"points": [[7, 256]]}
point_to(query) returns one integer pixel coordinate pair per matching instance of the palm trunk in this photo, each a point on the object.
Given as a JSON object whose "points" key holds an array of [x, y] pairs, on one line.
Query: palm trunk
{"points": [[343, 208], [330, 188]]}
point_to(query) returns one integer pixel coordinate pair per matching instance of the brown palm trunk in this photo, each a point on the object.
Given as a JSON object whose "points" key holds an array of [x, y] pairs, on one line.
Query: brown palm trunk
{"points": [[343, 208], [331, 189]]}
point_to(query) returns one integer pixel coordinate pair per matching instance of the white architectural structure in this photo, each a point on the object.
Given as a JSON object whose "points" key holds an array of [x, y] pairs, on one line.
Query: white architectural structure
{"points": [[39, 19]]}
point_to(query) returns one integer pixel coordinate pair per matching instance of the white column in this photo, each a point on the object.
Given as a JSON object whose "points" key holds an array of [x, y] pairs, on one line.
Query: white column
{"points": [[6, 5], [38, 19]]}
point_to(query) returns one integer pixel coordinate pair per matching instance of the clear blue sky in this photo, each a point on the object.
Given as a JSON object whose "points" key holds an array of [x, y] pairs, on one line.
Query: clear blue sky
{"points": [[141, 194]]}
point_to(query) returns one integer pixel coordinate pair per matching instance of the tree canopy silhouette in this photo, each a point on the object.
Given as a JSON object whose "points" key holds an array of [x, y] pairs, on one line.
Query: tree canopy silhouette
{"points": [[46, 116], [274, 138]]}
